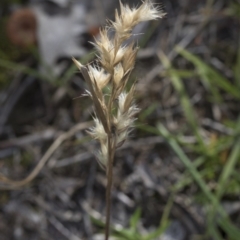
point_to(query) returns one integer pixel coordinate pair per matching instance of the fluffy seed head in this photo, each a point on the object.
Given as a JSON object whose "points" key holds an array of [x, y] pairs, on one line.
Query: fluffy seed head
{"points": [[118, 74], [109, 54], [115, 111], [130, 17], [98, 131], [99, 76]]}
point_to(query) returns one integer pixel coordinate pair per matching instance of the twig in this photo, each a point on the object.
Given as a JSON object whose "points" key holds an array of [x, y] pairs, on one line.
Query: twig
{"points": [[13, 184], [217, 126], [47, 134], [62, 229], [81, 157]]}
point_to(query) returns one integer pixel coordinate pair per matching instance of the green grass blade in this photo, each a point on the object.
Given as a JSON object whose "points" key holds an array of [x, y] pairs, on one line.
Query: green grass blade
{"points": [[236, 68], [209, 74], [224, 222], [184, 99], [21, 68], [229, 168], [135, 219]]}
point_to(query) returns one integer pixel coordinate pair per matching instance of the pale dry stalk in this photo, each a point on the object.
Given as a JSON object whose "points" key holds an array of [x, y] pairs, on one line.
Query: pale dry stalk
{"points": [[115, 111]]}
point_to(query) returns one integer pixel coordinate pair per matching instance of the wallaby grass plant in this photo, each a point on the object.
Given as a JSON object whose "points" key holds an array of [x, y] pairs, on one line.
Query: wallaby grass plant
{"points": [[114, 112]]}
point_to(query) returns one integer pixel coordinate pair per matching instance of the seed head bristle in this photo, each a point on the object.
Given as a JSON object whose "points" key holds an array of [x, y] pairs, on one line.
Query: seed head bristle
{"points": [[128, 17], [98, 76]]}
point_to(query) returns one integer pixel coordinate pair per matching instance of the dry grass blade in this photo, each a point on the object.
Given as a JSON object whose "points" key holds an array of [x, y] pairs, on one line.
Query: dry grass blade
{"points": [[9, 184]]}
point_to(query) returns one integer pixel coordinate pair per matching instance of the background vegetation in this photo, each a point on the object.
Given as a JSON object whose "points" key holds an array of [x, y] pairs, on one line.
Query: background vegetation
{"points": [[178, 176]]}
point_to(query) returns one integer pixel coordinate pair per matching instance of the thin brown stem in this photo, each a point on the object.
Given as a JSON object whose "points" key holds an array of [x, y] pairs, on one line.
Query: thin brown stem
{"points": [[110, 102], [111, 151]]}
